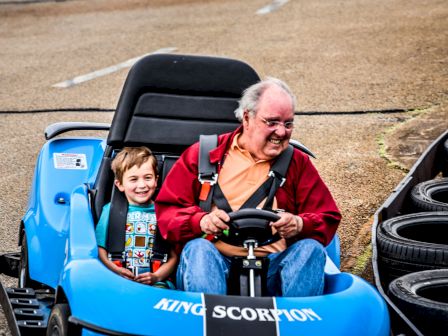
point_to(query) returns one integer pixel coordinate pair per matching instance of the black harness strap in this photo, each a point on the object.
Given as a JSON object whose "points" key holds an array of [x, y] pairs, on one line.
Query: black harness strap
{"points": [[269, 187], [207, 171], [259, 195], [160, 249], [116, 233], [266, 190], [220, 200], [278, 174]]}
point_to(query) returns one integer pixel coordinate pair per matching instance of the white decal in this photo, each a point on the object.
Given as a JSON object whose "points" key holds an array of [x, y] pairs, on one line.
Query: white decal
{"points": [[311, 314], [70, 161], [263, 314], [219, 312], [240, 313], [180, 306]]}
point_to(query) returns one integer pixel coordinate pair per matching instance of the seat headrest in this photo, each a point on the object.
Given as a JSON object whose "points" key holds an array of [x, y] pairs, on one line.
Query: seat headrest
{"points": [[169, 100]]}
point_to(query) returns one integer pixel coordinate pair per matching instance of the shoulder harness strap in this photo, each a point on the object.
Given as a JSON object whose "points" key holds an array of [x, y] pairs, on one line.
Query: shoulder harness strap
{"points": [[207, 171], [211, 192], [277, 177], [116, 233], [278, 174]]}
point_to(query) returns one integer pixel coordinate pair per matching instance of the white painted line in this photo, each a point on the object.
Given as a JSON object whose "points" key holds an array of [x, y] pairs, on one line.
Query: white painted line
{"points": [[276, 4], [106, 71]]}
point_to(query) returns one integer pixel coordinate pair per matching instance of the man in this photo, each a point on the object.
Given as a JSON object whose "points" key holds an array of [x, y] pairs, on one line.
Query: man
{"points": [[309, 216]]}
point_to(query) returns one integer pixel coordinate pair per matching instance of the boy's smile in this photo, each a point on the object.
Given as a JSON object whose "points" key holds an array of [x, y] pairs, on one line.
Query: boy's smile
{"points": [[139, 184]]}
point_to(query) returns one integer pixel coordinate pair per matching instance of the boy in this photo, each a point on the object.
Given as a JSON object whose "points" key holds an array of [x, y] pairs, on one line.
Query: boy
{"points": [[135, 170]]}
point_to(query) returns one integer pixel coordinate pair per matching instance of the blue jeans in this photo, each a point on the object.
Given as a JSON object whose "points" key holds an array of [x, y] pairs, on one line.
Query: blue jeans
{"points": [[297, 271]]}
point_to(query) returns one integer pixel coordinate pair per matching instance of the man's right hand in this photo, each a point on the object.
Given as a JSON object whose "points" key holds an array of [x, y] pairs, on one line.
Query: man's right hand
{"points": [[214, 222]]}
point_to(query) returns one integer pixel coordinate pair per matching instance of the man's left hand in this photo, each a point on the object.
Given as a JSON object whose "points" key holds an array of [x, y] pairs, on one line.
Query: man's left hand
{"points": [[288, 225]]}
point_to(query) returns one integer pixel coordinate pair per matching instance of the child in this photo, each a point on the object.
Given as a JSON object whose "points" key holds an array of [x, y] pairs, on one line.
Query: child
{"points": [[135, 170]]}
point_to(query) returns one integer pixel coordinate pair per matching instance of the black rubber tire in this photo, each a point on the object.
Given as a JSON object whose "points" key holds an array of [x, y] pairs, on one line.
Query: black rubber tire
{"points": [[58, 324], [431, 195], [24, 274], [423, 297], [444, 168], [411, 243]]}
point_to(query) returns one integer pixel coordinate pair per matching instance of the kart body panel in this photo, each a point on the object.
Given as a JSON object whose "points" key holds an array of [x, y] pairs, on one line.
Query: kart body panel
{"points": [[47, 219], [66, 196], [99, 299]]}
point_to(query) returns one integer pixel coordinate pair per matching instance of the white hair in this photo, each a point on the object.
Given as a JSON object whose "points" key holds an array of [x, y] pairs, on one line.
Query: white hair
{"points": [[251, 96]]}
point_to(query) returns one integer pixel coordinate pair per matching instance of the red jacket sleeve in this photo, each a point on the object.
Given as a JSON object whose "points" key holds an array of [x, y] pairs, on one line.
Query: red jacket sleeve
{"points": [[178, 213], [305, 194]]}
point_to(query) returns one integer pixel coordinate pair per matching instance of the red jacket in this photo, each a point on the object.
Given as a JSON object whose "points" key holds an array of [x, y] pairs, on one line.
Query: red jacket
{"points": [[304, 193]]}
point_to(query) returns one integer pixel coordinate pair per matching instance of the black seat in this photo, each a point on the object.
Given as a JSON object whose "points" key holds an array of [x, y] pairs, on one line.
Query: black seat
{"points": [[166, 103]]}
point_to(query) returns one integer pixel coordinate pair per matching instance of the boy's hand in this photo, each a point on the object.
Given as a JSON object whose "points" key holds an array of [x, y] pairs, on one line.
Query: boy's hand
{"points": [[124, 272], [147, 278]]}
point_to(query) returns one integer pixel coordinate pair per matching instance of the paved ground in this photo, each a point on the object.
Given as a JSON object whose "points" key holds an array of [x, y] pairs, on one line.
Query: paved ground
{"points": [[338, 56]]}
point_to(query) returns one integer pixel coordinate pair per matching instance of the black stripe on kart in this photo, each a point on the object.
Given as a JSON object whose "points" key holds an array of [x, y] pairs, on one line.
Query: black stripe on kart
{"points": [[239, 316]]}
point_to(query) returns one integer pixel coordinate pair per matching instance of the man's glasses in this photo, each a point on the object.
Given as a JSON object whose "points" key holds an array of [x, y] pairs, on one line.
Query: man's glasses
{"points": [[275, 124]]}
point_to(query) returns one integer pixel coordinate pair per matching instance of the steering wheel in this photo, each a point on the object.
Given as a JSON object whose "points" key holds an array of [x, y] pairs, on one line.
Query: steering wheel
{"points": [[253, 224]]}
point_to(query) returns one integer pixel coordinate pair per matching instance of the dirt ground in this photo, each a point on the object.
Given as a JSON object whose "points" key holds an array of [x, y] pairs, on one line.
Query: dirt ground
{"points": [[388, 59]]}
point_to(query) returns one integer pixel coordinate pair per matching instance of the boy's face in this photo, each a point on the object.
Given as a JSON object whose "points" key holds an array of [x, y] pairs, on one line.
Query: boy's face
{"points": [[139, 184]]}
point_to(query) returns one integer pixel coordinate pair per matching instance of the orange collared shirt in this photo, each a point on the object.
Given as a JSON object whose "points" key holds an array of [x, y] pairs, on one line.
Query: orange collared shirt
{"points": [[239, 178]]}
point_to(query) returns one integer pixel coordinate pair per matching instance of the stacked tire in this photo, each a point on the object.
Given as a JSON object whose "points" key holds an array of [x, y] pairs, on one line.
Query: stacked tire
{"points": [[413, 253], [431, 195], [423, 297], [413, 243]]}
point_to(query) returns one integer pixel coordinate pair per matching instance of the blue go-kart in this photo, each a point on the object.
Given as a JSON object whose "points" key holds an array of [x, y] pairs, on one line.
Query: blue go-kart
{"points": [[64, 289]]}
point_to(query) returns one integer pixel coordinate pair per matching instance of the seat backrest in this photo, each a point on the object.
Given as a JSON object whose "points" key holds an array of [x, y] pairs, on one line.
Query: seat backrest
{"points": [[167, 161], [169, 100]]}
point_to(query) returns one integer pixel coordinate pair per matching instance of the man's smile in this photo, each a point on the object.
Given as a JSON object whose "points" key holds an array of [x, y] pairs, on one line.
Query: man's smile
{"points": [[275, 141]]}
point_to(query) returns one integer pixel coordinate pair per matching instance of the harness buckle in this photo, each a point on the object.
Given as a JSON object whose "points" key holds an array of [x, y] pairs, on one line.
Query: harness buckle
{"points": [[207, 181], [157, 259], [163, 257], [208, 178], [277, 176], [117, 258]]}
